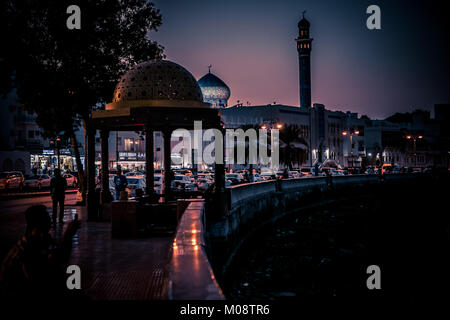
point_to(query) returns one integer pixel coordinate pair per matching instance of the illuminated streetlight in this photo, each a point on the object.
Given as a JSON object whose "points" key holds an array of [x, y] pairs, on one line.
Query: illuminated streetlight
{"points": [[279, 126], [414, 139], [350, 133]]}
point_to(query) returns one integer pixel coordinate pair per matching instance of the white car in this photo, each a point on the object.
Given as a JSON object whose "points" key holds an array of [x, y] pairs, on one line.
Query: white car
{"points": [[135, 183], [236, 176], [181, 182], [39, 181], [70, 179], [267, 175]]}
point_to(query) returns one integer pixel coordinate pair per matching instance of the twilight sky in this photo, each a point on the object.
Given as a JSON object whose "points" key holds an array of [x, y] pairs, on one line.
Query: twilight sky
{"points": [[251, 46]]}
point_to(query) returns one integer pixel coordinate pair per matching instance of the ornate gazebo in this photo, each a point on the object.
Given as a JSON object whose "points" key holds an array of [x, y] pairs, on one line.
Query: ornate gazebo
{"points": [[157, 95]]}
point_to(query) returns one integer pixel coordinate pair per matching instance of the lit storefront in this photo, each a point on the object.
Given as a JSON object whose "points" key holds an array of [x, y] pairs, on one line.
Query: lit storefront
{"points": [[48, 160]]}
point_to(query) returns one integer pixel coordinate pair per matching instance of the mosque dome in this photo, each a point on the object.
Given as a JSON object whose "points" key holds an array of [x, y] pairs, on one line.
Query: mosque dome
{"points": [[157, 83], [214, 90]]}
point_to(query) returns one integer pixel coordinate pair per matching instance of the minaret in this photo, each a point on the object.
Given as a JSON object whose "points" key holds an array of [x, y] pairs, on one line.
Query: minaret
{"points": [[304, 60]]}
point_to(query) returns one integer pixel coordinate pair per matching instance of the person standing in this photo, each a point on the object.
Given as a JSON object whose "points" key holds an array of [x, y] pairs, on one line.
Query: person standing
{"points": [[58, 187], [120, 183]]}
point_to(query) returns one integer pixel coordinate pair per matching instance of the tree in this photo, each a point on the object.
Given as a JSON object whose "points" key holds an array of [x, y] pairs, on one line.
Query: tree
{"points": [[61, 74], [290, 135]]}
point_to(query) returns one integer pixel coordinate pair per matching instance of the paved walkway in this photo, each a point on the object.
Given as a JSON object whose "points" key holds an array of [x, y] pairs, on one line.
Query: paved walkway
{"points": [[111, 269]]}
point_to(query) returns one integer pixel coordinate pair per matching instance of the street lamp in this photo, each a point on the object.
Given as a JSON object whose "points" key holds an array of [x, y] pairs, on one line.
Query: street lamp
{"points": [[350, 133], [272, 125], [414, 139]]}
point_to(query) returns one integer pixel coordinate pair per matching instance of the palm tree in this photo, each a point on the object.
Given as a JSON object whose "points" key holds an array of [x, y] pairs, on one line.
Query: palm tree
{"points": [[291, 152]]}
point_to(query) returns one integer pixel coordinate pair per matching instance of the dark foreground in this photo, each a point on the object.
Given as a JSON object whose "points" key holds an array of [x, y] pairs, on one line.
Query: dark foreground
{"points": [[324, 252]]}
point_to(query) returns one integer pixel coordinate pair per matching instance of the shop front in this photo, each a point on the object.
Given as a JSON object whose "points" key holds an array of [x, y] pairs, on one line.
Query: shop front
{"points": [[47, 161]]}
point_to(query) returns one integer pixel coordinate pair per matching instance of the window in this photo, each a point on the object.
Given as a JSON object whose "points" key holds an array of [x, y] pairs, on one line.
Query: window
{"points": [[129, 144], [31, 134]]}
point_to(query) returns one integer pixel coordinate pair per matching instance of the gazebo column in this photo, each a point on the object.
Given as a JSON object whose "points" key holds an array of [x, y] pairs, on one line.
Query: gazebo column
{"points": [[219, 178], [167, 133], [219, 168], [106, 195], [149, 158], [92, 201]]}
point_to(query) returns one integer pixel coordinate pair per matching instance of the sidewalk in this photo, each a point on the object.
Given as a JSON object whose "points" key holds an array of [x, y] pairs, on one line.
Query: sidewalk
{"points": [[114, 269]]}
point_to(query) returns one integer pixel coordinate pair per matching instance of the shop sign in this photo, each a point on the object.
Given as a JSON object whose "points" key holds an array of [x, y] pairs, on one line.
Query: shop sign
{"points": [[48, 152], [127, 156], [65, 152]]}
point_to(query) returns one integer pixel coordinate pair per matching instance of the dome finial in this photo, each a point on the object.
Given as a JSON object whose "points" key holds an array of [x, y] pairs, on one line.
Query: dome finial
{"points": [[209, 68], [303, 13]]}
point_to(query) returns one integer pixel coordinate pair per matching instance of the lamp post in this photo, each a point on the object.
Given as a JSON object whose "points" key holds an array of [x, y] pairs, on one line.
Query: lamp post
{"points": [[414, 139], [350, 133], [271, 125]]}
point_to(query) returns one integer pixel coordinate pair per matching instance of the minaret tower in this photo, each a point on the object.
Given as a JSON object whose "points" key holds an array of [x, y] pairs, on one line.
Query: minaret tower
{"points": [[304, 60]]}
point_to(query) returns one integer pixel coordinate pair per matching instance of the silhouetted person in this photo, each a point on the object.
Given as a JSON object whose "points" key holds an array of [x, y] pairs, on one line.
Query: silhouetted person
{"points": [[286, 174], [246, 176], [33, 267], [120, 183], [329, 178], [58, 187], [316, 170]]}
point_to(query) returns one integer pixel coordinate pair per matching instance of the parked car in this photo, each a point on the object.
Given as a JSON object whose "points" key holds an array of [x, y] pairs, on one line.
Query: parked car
{"points": [[203, 184], [280, 174], [135, 183], [207, 176], [134, 174], [181, 182], [71, 180], [235, 176], [183, 172], [232, 182], [336, 172], [267, 175], [11, 180], [257, 177], [39, 181], [386, 168], [307, 172]]}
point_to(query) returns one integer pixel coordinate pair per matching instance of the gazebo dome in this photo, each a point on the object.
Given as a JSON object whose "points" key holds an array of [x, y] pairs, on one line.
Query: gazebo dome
{"points": [[157, 83]]}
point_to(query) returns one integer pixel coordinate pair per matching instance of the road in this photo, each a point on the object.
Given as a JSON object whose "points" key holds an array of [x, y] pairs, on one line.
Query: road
{"points": [[12, 218], [20, 205]]}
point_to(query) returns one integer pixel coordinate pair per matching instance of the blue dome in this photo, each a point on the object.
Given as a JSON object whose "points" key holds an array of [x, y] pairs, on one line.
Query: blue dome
{"points": [[213, 87]]}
